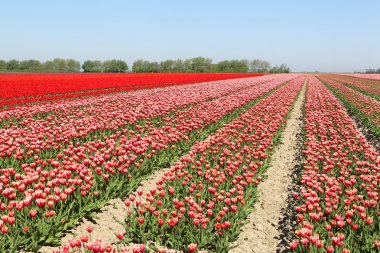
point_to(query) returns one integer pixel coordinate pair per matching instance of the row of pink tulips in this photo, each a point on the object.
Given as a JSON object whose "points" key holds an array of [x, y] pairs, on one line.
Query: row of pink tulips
{"points": [[338, 207], [365, 76], [366, 108], [366, 86], [83, 120]]}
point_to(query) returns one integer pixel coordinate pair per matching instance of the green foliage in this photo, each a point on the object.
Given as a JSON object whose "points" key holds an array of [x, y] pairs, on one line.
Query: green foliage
{"points": [[201, 64], [13, 65], [140, 66], [259, 66], [167, 66], [115, 66], [72, 65], [109, 66], [282, 69], [61, 65], [92, 66], [205, 65], [232, 66], [193, 65], [56, 65], [3, 65], [30, 65], [372, 71]]}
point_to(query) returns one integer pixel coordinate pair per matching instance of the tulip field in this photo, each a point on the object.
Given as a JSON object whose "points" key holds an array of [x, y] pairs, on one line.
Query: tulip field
{"points": [[72, 143], [339, 193], [18, 89]]}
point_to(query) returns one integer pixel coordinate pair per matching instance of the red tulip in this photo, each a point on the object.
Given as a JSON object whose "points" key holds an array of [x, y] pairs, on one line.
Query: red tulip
{"points": [[192, 247], [140, 220]]}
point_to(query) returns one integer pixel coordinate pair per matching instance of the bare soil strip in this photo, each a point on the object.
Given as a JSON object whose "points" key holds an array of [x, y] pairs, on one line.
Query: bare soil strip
{"points": [[263, 233]]}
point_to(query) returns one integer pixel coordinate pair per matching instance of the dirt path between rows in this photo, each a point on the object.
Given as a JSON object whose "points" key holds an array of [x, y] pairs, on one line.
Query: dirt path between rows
{"points": [[262, 233]]}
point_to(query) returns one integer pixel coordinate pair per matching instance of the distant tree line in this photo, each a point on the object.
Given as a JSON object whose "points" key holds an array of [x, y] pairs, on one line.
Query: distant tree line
{"points": [[372, 71], [56, 65], [205, 65], [193, 65], [110, 66], [63, 66]]}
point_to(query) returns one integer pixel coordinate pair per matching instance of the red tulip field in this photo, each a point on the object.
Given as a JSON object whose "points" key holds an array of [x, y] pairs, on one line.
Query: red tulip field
{"points": [[189, 163], [19, 89]]}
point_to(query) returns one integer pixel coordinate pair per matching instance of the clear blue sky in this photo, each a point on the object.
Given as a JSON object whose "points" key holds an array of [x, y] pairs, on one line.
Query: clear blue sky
{"points": [[323, 35]]}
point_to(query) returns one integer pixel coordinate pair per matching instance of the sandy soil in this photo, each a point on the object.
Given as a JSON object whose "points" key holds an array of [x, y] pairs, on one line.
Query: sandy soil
{"points": [[262, 233]]}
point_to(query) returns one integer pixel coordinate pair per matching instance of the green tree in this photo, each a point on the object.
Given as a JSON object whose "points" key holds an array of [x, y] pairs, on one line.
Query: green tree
{"points": [[201, 64], [48, 66], [140, 66], [232, 66], [3, 65], [188, 65], [259, 66], [243, 66], [274, 69], [92, 66], [180, 66], [98, 66], [284, 68], [72, 66], [214, 68], [372, 71], [88, 66], [154, 67], [115, 66], [59, 65], [30, 66], [168, 66], [222, 66], [13, 65]]}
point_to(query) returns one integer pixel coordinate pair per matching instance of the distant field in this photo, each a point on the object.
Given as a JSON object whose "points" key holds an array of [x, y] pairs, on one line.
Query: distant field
{"points": [[16, 89], [367, 76]]}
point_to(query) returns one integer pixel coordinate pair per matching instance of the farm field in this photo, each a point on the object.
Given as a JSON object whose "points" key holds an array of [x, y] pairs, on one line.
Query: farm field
{"points": [[366, 76], [18, 89], [189, 163]]}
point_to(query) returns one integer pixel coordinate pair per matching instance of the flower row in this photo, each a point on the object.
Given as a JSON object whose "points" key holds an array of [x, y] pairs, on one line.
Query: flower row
{"points": [[29, 135], [367, 86], [338, 208], [365, 76], [364, 106], [25, 88]]}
